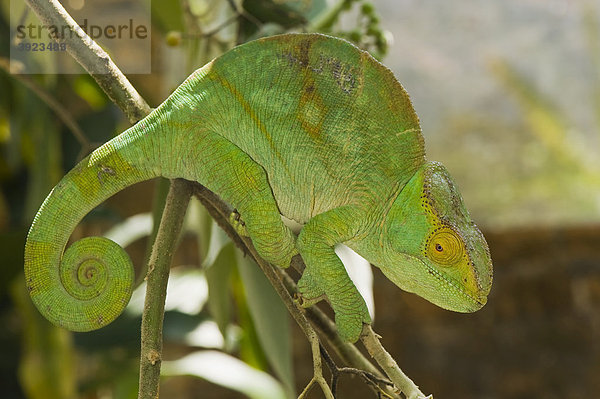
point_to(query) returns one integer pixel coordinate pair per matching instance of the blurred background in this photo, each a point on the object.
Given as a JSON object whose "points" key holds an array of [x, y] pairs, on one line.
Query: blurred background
{"points": [[508, 94]]}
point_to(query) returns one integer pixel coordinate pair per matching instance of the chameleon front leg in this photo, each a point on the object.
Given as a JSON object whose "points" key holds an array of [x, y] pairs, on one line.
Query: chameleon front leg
{"points": [[325, 274]]}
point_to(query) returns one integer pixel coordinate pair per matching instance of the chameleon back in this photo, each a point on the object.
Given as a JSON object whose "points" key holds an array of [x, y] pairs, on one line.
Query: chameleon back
{"points": [[311, 105]]}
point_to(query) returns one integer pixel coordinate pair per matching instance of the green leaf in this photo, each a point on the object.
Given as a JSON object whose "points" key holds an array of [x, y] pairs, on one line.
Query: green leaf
{"points": [[198, 221], [165, 16], [271, 321], [218, 240], [548, 124], [42, 144], [227, 371], [88, 90], [218, 279], [545, 121], [207, 335]]}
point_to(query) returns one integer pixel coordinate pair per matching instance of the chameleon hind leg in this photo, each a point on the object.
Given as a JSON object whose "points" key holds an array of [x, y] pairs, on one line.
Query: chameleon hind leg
{"points": [[229, 172]]}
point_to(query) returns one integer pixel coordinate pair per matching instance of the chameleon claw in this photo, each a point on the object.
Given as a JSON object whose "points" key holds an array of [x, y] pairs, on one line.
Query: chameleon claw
{"points": [[237, 223]]}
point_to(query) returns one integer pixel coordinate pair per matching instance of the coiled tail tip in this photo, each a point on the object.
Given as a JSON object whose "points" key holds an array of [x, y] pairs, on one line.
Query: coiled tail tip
{"points": [[88, 289]]}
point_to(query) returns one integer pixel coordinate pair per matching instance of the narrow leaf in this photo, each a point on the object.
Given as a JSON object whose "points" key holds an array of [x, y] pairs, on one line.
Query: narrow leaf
{"points": [[187, 293], [131, 229], [227, 371], [270, 319], [218, 279]]}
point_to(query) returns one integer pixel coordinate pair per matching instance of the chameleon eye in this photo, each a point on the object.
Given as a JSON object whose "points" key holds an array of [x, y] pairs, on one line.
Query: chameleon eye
{"points": [[444, 247]]}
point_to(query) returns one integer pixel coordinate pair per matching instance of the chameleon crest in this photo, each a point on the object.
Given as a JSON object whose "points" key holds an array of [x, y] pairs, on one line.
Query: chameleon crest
{"points": [[305, 126]]}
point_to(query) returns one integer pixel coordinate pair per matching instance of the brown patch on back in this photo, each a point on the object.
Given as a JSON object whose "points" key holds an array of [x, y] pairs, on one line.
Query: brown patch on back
{"points": [[303, 52], [311, 109]]}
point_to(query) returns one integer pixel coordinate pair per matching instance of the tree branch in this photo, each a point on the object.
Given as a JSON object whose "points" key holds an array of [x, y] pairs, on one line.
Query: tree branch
{"points": [[389, 365], [92, 58], [286, 288], [156, 289]]}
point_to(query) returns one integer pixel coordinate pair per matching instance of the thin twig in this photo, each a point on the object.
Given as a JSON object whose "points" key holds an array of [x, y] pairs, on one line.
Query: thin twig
{"points": [[371, 341], [349, 354], [371, 379]]}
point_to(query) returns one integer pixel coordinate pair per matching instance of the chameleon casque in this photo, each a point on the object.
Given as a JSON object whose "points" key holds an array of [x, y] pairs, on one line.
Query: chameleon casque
{"points": [[301, 125]]}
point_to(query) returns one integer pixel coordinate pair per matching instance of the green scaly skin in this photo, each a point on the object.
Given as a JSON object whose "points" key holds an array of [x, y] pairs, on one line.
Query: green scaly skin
{"points": [[306, 126]]}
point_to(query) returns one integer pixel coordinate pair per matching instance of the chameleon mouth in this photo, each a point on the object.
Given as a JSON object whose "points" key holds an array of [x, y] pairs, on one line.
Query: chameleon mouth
{"points": [[473, 303]]}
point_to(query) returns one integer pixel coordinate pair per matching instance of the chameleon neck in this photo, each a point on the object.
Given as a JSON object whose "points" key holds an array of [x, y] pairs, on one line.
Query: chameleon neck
{"points": [[90, 284]]}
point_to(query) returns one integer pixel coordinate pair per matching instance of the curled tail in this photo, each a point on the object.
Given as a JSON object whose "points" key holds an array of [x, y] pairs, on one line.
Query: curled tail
{"points": [[90, 284]]}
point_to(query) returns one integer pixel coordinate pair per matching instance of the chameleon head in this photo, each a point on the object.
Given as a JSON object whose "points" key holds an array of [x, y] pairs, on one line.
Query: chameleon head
{"points": [[433, 248]]}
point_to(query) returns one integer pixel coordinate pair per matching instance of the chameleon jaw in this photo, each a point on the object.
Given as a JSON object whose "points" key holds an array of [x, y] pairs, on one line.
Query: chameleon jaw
{"points": [[476, 303]]}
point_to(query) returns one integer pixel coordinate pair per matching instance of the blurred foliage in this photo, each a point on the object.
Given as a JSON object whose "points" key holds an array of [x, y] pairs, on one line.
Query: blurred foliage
{"points": [[47, 364], [550, 127], [217, 299], [568, 164], [535, 140]]}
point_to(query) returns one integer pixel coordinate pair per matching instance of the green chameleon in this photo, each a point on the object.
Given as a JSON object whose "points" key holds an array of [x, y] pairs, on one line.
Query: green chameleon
{"points": [[301, 125]]}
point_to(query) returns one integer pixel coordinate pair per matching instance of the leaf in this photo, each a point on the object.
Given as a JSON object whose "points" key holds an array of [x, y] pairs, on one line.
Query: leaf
{"points": [[165, 16], [88, 90], [227, 371], [270, 319], [218, 240], [288, 14], [218, 279], [205, 335], [45, 156], [187, 293], [549, 125], [545, 121], [131, 229], [198, 221]]}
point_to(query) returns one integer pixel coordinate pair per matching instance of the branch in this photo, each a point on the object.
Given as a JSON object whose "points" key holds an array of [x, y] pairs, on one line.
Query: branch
{"points": [[156, 290], [92, 58], [286, 288], [389, 365]]}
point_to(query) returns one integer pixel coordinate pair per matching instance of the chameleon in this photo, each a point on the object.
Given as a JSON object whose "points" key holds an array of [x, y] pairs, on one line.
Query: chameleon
{"points": [[305, 126]]}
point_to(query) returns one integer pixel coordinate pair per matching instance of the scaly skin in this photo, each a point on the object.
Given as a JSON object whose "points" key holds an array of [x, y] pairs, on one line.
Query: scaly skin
{"points": [[305, 126]]}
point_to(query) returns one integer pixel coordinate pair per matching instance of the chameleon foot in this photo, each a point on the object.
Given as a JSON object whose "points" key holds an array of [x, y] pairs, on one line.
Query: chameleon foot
{"points": [[350, 325], [310, 292], [351, 312], [238, 224]]}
